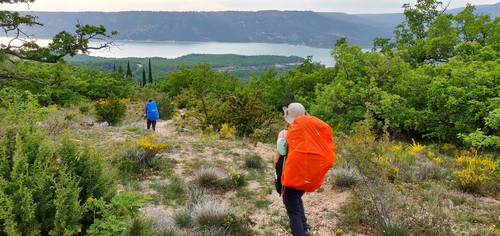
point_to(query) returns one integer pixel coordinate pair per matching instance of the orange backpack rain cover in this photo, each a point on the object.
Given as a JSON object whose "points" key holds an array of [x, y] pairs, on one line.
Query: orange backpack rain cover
{"points": [[311, 153]]}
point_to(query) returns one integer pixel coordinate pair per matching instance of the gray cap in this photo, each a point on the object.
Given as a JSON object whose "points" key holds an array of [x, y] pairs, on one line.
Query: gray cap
{"points": [[293, 111]]}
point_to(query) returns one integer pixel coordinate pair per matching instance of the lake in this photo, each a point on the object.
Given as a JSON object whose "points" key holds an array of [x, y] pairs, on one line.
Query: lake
{"points": [[144, 49], [176, 49]]}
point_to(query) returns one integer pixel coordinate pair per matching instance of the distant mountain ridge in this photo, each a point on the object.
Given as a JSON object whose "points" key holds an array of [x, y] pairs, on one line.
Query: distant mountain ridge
{"points": [[316, 29]]}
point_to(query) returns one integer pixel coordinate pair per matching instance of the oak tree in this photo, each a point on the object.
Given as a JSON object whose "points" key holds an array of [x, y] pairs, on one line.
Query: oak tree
{"points": [[21, 45]]}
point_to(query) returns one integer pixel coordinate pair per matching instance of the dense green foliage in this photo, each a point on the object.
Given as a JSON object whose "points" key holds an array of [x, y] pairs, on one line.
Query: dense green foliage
{"points": [[68, 85], [438, 81], [52, 183], [242, 66], [111, 111], [215, 98]]}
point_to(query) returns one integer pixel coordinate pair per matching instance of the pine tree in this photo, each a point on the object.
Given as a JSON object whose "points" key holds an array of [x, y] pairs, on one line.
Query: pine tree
{"points": [[150, 73], [129, 71], [143, 77]]}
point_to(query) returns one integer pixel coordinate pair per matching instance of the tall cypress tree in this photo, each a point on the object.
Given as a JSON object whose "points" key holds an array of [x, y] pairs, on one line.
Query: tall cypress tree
{"points": [[129, 71], [150, 73], [143, 77]]}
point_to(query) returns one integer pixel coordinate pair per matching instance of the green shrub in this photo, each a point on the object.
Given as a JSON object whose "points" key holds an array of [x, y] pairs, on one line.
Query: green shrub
{"points": [[84, 108], [168, 232], [210, 214], [245, 193], [183, 218], [111, 110], [195, 194], [344, 178], [254, 162], [127, 163], [116, 215], [141, 227], [262, 203], [475, 172], [236, 179], [238, 225], [426, 170], [394, 230], [173, 191], [366, 153], [265, 135], [211, 178], [19, 107], [392, 173], [166, 106], [142, 157], [51, 180], [352, 214]]}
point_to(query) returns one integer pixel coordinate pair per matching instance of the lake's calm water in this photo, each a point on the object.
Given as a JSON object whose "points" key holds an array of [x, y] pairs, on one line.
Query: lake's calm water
{"points": [[144, 49], [177, 49]]}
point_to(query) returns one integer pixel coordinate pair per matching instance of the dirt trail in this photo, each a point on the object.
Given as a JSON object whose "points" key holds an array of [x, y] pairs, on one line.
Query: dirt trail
{"points": [[321, 207]]}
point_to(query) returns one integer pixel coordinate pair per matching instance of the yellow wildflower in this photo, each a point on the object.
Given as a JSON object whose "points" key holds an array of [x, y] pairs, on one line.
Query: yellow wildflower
{"points": [[227, 131], [475, 171], [415, 147], [383, 159], [396, 148]]}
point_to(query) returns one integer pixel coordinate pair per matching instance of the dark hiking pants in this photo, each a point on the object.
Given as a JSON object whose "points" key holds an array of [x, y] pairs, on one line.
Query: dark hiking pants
{"points": [[292, 198], [151, 123]]}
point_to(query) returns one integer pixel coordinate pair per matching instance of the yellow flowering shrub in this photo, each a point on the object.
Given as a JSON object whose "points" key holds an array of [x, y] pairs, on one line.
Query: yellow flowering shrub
{"points": [[227, 131], [415, 148], [392, 173], [474, 173], [141, 156], [339, 158], [53, 108], [382, 159], [235, 177], [176, 116], [147, 143], [449, 148], [396, 148], [111, 110], [438, 160]]}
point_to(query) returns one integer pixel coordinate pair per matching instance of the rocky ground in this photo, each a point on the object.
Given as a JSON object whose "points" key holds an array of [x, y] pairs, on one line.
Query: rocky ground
{"points": [[321, 206]]}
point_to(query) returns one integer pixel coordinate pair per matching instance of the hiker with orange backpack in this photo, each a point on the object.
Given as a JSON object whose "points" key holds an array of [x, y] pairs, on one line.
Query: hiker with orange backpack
{"points": [[305, 152]]}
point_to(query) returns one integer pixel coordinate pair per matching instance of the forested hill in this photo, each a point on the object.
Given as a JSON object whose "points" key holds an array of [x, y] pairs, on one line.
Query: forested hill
{"points": [[291, 27]]}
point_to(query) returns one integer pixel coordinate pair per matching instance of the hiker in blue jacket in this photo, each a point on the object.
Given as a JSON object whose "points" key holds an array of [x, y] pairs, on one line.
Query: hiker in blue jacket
{"points": [[151, 113]]}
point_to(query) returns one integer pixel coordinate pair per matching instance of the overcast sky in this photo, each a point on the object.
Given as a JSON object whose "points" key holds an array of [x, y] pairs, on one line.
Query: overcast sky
{"points": [[347, 6]]}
